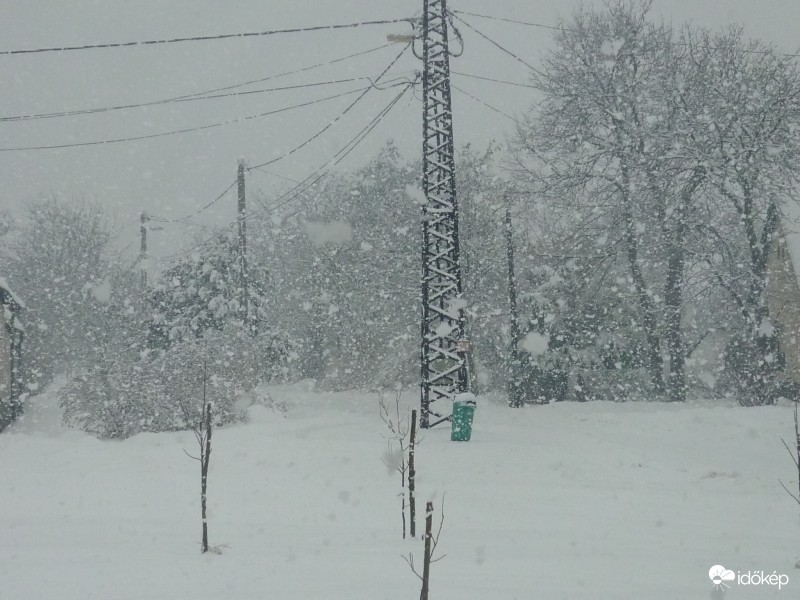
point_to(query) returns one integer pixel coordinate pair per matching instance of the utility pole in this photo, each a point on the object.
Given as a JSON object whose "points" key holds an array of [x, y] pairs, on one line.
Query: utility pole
{"points": [[143, 218], [444, 348], [244, 299], [514, 391]]}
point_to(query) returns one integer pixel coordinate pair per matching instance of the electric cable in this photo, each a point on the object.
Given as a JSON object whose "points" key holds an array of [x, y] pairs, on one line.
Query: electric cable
{"points": [[203, 38], [567, 29], [504, 49], [486, 104], [91, 111], [185, 218], [332, 123], [198, 211], [295, 192], [343, 152], [515, 21], [185, 130], [484, 78], [204, 94]]}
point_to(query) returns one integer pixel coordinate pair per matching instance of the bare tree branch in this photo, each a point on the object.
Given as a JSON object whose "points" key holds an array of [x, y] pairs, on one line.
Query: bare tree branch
{"points": [[410, 562], [791, 454], [796, 499]]}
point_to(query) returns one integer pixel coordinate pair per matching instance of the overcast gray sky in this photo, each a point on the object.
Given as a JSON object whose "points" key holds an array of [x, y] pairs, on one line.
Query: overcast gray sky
{"points": [[172, 176]]}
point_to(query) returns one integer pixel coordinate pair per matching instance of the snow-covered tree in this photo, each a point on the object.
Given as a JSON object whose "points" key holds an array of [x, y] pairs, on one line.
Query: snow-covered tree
{"points": [[59, 259], [746, 133], [591, 144], [203, 293], [671, 157], [345, 275], [109, 390]]}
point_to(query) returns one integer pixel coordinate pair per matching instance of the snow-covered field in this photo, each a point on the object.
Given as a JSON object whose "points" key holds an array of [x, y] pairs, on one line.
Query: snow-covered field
{"points": [[597, 501]]}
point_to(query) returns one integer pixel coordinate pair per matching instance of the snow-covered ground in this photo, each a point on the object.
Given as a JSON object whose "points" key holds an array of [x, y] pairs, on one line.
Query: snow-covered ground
{"points": [[569, 501]]}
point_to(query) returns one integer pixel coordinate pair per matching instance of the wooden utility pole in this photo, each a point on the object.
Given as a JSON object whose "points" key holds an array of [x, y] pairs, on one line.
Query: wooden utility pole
{"points": [[514, 392], [143, 218], [244, 298]]}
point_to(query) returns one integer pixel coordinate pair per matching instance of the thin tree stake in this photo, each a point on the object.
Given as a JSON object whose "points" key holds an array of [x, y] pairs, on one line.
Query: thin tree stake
{"points": [[412, 473]]}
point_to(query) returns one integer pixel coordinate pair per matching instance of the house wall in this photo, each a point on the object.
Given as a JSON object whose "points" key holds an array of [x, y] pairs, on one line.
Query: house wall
{"points": [[783, 300]]}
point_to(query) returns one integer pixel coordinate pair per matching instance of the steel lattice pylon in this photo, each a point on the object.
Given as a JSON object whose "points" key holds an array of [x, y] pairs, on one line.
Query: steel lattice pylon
{"points": [[443, 361]]}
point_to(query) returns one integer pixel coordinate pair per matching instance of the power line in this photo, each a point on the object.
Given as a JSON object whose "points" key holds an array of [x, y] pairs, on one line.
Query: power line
{"points": [[295, 71], [515, 21], [186, 130], [484, 78], [335, 159], [307, 141], [198, 211], [570, 30], [339, 156], [279, 176], [204, 38], [185, 218], [306, 183], [486, 104], [89, 111], [206, 94], [504, 49], [182, 222], [343, 152], [338, 117]]}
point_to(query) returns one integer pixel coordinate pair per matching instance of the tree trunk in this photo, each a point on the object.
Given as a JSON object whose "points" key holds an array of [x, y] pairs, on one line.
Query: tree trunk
{"points": [[676, 381], [426, 566], [765, 343], [673, 292], [403, 513], [514, 367], [204, 460], [655, 360], [749, 352]]}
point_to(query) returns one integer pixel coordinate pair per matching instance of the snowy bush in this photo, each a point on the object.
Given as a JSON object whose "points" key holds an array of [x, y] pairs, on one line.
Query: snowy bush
{"points": [[116, 400], [752, 367], [118, 397], [230, 359]]}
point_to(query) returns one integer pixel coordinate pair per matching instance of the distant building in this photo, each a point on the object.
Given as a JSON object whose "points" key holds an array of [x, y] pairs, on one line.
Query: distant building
{"points": [[783, 298], [12, 335]]}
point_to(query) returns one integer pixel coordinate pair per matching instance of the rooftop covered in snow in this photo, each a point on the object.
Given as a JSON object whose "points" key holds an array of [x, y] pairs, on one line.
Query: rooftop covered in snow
{"points": [[8, 297]]}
